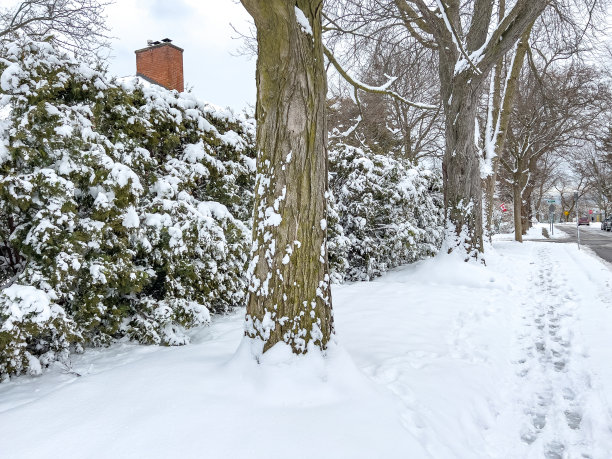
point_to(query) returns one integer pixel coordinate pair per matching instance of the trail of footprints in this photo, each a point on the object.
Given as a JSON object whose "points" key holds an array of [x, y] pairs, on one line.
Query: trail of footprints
{"points": [[554, 411]]}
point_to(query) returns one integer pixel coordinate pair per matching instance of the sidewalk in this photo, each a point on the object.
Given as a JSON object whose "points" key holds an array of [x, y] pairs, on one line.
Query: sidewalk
{"points": [[562, 380], [439, 359]]}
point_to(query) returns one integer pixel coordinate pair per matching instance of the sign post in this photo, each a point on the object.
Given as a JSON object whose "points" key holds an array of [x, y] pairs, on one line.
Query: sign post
{"points": [[551, 209]]}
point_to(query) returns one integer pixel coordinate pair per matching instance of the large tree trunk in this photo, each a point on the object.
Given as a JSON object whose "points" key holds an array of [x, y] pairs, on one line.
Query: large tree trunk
{"points": [[461, 163], [527, 208], [518, 211], [289, 293], [525, 220]]}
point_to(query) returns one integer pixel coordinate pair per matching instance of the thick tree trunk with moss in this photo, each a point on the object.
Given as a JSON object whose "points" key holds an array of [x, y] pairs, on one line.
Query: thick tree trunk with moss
{"points": [[289, 292]]}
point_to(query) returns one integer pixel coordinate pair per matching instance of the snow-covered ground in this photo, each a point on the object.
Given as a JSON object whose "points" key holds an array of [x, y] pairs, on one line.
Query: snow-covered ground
{"points": [[440, 359], [536, 232]]}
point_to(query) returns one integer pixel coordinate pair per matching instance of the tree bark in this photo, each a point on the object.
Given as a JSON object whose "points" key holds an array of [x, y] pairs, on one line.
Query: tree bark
{"points": [[527, 209], [491, 180], [518, 211], [461, 164], [289, 292]]}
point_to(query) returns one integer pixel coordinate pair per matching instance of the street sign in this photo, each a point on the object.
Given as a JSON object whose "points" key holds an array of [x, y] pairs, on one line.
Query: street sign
{"points": [[575, 196], [566, 212], [503, 207], [551, 201], [551, 208], [590, 211]]}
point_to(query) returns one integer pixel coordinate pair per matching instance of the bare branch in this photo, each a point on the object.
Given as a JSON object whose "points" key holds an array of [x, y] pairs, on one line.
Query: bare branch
{"points": [[375, 90], [74, 25]]}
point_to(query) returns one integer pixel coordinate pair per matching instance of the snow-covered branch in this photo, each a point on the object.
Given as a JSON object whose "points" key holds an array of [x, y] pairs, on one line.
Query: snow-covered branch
{"points": [[454, 36], [383, 89]]}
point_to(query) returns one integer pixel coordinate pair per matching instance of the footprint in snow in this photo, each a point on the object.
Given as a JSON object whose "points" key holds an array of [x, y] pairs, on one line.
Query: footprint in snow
{"points": [[554, 450], [574, 418]]}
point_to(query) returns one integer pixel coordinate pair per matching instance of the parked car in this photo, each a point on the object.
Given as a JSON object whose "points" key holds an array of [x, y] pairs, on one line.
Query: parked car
{"points": [[606, 225], [584, 221]]}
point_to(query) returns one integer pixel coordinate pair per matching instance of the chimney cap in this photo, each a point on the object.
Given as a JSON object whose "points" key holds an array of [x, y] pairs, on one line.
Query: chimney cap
{"points": [[157, 44]]}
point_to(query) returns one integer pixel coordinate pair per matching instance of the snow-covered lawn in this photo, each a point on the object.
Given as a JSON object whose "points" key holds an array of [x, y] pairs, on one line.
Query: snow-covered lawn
{"points": [[439, 359]]}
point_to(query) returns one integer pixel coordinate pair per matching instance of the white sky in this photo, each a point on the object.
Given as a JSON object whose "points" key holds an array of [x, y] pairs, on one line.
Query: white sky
{"points": [[202, 28]]}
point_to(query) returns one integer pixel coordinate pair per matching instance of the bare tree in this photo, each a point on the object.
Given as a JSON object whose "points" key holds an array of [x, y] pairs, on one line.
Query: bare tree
{"points": [[419, 131], [382, 121], [542, 182], [590, 162], [289, 292], [567, 185], [501, 102], [75, 25], [555, 114], [605, 141], [467, 52], [467, 48], [563, 34]]}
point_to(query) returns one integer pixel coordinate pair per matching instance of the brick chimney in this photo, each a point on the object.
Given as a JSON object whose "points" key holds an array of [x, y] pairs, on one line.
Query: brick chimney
{"points": [[162, 63]]}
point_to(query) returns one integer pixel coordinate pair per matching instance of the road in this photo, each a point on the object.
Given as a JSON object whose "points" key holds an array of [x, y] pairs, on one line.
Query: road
{"points": [[592, 236]]}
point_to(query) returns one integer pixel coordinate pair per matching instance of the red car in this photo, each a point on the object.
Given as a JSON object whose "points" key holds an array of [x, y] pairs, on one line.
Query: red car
{"points": [[584, 221]]}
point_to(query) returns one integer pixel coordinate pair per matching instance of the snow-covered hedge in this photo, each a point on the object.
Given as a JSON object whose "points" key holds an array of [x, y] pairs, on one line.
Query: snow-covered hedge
{"points": [[384, 212], [122, 209]]}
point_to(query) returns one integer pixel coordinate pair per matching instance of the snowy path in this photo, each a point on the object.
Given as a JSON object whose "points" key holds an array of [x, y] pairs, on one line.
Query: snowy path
{"points": [[440, 359], [558, 386], [554, 365]]}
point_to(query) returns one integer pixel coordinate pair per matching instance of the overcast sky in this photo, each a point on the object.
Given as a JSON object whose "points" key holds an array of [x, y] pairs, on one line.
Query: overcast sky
{"points": [[202, 28]]}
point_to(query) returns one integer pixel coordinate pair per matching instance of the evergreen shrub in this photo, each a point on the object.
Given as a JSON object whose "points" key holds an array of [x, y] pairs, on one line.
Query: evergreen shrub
{"points": [[123, 209]]}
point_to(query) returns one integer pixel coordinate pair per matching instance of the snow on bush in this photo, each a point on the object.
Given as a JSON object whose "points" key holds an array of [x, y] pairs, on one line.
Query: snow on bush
{"points": [[384, 212], [122, 209]]}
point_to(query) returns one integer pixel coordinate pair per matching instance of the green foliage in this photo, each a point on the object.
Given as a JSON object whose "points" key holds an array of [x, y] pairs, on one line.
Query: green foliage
{"points": [[384, 212], [123, 209]]}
